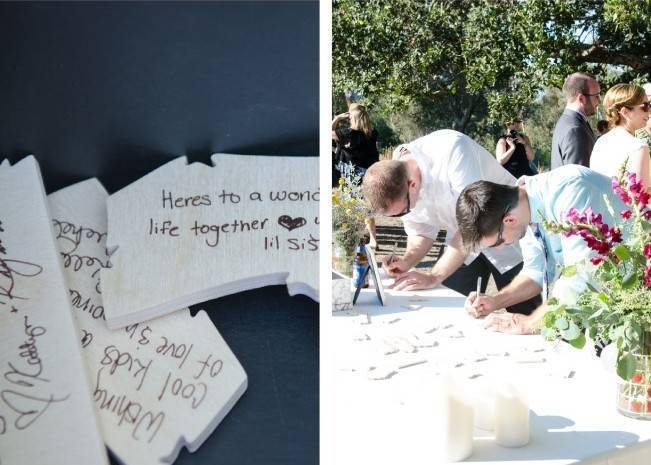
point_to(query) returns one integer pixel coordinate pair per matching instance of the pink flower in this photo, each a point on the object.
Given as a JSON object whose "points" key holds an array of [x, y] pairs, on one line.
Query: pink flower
{"points": [[603, 248], [626, 214], [647, 250], [634, 186], [615, 235], [596, 260], [647, 276], [620, 192], [572, 215]]}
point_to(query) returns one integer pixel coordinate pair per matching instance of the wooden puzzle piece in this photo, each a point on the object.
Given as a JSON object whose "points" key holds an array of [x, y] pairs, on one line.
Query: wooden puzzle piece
{"points": [[187, 233], [158, 385], [46, 408], [363, 319]]}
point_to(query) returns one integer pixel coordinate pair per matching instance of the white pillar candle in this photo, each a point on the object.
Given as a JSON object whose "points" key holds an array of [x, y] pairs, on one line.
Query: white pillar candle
{"points": [[457, 433], [511, 417]]}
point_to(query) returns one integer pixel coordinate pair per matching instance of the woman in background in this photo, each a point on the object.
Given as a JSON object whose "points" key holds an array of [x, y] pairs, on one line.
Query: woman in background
{"points": [[514, 151], [356, 144], [627, 110], [356, 147]]}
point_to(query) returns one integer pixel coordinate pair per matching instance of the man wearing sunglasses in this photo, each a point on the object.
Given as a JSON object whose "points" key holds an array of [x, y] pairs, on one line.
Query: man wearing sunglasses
{"points": [[421, 185], [573, 137], [494, 215]]}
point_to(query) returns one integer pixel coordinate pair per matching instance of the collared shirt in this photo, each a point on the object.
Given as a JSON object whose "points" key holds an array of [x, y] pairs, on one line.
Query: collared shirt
{"points": [[551, 195], [448, 162]]}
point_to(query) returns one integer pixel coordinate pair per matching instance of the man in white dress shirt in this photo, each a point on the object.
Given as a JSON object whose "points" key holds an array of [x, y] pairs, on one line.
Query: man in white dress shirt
{"points": [[421, 185]]}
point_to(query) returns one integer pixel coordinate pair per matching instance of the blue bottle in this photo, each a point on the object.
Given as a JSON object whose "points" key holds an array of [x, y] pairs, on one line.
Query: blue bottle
{"points": [[360, 266]]}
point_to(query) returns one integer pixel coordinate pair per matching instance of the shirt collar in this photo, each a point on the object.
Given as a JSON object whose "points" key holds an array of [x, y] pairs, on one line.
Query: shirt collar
{"points": [[535, 204], [423, 166]]}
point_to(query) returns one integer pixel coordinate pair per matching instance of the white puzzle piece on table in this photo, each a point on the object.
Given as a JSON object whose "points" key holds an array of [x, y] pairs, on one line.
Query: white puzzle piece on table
{"points": [[158, 385], [187, 233], [46, 409]]}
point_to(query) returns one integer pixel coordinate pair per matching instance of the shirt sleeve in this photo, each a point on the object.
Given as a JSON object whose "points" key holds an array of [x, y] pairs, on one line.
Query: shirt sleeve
{"points": [[533, 257], [343, 134], [464, 168]]}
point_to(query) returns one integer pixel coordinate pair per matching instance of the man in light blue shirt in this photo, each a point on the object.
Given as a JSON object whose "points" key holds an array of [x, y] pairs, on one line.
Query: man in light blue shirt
{"points": [[490, 215]]}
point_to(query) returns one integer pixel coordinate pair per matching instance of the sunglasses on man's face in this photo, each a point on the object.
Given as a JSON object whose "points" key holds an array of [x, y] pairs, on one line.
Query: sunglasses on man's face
{"points": [[500, 239], [404, 212]]}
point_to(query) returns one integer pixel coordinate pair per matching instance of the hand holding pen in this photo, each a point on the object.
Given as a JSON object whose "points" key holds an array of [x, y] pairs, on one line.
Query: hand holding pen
{"points": [[393, 264]]}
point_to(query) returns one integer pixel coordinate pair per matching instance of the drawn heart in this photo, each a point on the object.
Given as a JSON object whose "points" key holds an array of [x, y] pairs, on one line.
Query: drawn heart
{"points": [[290, 223]]}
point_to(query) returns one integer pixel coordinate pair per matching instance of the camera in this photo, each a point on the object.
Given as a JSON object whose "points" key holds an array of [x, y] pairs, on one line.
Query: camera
{"points": [[513, 134]]}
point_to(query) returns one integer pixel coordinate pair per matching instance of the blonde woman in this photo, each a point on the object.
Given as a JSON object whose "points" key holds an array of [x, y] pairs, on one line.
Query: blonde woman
{"points": [[627, 110], [358, 143], [356, 146]]}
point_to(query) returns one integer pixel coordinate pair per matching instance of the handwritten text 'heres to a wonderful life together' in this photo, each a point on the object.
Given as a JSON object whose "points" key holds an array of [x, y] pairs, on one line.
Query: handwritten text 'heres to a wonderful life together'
{"points": [[214, 234]]}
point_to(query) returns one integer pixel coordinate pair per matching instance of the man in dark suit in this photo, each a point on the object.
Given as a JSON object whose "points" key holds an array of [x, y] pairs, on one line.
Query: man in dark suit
{"points": [[573, 137]]}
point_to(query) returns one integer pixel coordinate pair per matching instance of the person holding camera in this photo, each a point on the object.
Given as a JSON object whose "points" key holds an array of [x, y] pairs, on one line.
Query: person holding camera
{"points": [[356, 149], [357, 144], [514, 151]]}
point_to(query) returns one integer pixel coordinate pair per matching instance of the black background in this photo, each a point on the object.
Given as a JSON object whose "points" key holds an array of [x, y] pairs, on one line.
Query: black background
{"points": [[114, 90]]}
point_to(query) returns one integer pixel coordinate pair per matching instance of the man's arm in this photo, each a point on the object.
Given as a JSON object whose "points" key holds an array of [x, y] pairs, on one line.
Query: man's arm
{"points": [[450, 261], [417, 248], [515, 323], [520, 289], [528, 283], [576, 146]]}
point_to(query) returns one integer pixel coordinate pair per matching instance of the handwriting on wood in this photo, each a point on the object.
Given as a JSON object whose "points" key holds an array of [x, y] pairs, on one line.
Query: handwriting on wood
{"points": [[158, 385], [184, 234], [46, 408]]}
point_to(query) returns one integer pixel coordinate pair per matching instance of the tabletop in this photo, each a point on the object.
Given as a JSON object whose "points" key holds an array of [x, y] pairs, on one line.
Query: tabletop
{"points": [[388, 363]]}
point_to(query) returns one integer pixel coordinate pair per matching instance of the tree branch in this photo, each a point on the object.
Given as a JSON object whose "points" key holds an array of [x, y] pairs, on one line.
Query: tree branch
{"points": [[598, 54]]}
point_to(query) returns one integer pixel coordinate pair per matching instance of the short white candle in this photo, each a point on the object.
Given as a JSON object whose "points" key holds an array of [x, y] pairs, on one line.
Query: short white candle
{"points": [[457, 433], [511, 417]]}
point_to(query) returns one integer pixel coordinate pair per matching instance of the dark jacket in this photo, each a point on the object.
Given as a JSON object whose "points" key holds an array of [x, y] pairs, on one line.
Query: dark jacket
{"points": [[572, 141], [354, 147]]}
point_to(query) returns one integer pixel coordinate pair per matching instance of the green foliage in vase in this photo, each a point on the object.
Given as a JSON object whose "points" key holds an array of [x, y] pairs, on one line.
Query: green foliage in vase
{"points": [[349, 210], [613, 297]]}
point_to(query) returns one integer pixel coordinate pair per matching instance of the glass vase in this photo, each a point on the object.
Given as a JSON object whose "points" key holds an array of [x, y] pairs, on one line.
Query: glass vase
{"points": [[634, 395], [343, 252]]}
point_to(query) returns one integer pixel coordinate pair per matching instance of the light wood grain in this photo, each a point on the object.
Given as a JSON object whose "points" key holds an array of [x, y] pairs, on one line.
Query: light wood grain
{"points": [[46, 410], [158, 385], [184, 234]]}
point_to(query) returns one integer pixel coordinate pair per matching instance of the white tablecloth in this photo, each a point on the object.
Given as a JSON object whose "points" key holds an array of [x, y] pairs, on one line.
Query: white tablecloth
{"points": [[385, 363]]}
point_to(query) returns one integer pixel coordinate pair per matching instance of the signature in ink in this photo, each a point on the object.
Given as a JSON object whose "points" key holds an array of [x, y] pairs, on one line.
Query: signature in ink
{"points": [[29, 408], [28, 351], [27, 405], [9, 270], [72, 234]]}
